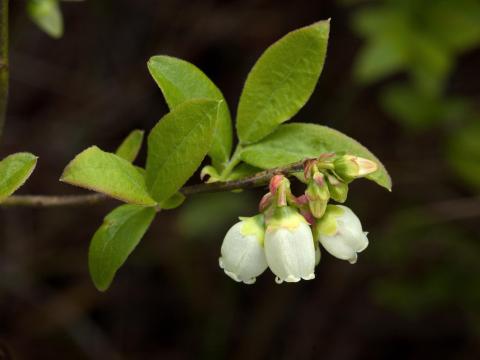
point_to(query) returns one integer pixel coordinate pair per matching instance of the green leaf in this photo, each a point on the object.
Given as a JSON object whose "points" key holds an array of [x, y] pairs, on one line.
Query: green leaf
{"points": [[243, 170], [107, 173], [379, 59], [177, 146], [463, 153], [461, 15], [181, 81], [173, 201], [15, 169], [413, 108], [141, 170], [130, 147], [47, 15], [114, 241], [295, 142], [388, 47], [281, 81], [209, 215]]}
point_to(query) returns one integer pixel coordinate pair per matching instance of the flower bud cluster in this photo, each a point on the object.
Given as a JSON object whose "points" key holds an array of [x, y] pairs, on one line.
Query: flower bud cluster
{"points": [[287, 234]]}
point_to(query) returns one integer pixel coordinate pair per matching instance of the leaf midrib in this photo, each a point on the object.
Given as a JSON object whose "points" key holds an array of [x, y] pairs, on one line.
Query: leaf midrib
{"points": [[167, 158]]}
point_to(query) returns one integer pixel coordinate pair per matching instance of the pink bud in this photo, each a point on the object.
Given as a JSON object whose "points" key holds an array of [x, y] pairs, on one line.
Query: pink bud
{"points": [[307, 167], [275, 182], [319, 179], [265, 201], [301, 200], [308, 216]]}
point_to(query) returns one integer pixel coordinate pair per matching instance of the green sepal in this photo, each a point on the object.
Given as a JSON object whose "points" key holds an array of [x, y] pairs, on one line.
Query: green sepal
{"points": [[327, 225], [255, 226], [284, 217]]}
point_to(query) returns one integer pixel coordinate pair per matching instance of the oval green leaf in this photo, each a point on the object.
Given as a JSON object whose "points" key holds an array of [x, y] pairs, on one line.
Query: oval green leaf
{"points": [[181, 81], [294, 142], [173, 201], [243, 170], [463, 153], [47, 15], [178, 144], [107, 173], [114, 241], [281, 81], [15, 169], [130, 147]]}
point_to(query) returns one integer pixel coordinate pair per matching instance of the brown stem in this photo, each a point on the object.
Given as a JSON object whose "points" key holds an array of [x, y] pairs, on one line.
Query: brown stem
{"points": [[53, 200], [258, 179], [3, 61]]}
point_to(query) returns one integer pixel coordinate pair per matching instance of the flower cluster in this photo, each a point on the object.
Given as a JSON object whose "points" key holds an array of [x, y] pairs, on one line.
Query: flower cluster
{"points": [[287, 234]]}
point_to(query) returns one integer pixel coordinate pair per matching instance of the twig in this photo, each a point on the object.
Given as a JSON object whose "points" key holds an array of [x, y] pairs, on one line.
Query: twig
{"points": [[258, 179], [3, 60], [255, 180], [53, 200]]}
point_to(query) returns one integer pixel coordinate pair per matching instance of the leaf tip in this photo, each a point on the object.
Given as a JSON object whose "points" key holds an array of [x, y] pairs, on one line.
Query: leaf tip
{"points": [[150, 60], [100, 287], [101, 284], [34, 161], [155, 58]]}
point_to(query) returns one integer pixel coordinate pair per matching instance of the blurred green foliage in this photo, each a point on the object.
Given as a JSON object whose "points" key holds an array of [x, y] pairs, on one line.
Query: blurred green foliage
{"points": [[464, 152], [448, 258], [206, 216], [420, 37], [423, 39], [412, 50], [47, 15]]}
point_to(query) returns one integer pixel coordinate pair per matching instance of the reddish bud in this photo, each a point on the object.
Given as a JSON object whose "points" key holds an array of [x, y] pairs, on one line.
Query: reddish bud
{"points": [[275, 182], [265, 202], [308, 216]]}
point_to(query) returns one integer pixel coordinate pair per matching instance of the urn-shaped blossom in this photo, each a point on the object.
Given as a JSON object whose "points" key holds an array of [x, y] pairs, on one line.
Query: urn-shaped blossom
{"points": [[289, 246], [242, 253], [340, 233]]}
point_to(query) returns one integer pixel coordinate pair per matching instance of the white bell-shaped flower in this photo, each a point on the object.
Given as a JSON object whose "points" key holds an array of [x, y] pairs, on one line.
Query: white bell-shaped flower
{"points": [[340, 233], [242, 253], [289, 246]]}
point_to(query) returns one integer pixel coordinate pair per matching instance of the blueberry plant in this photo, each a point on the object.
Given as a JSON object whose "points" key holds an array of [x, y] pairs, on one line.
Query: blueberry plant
{"points": [[287, 232]]}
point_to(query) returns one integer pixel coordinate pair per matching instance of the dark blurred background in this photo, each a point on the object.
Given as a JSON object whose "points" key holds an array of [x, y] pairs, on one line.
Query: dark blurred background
{"points": [[401, 76]]}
